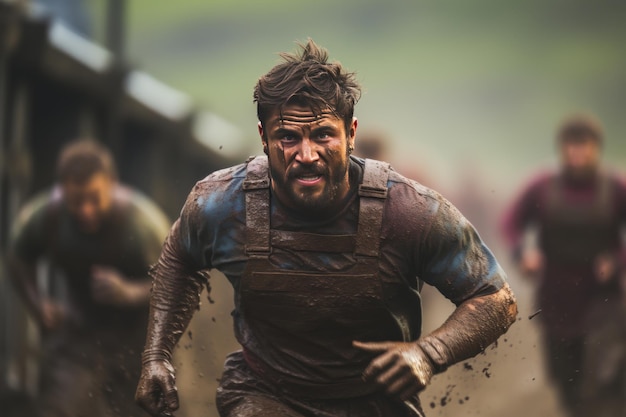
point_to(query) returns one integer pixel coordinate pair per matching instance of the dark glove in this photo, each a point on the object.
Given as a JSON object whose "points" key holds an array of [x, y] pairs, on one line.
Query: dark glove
{"points": [[157, 392]]}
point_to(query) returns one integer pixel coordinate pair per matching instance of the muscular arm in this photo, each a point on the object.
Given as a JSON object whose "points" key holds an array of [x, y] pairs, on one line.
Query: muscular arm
{"points": [[174, 299], [474, 325], [464, 270], [405, 368], [456, 261]]}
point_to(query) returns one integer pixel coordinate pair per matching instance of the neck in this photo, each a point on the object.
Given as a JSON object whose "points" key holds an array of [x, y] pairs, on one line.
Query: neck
{"points": [[581, 175]]}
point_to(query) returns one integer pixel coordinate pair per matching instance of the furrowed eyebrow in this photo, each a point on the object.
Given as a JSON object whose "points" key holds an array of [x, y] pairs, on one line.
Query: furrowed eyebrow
{"points": [[322, 127], [285, 131]]}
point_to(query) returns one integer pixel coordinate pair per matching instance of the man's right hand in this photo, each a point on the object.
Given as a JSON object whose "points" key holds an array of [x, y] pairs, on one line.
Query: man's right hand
{"points": [[52, 315], [531, 262], [156, 392]]}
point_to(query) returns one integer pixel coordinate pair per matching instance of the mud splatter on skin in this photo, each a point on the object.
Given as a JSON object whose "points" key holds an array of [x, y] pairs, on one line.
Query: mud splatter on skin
{"points": [[175, 298], [472, 327], [296, 130]]}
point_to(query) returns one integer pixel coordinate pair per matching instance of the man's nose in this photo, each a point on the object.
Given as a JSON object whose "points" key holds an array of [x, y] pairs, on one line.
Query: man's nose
{"points": [[86, 210], [308, 152]]}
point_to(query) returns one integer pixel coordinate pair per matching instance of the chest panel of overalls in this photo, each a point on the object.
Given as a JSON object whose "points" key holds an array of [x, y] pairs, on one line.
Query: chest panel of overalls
{"points": [[316, 313], [578, 231]]}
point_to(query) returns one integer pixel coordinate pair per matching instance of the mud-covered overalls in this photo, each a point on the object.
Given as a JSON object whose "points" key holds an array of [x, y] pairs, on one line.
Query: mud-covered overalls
{"points": [[304, 322]]}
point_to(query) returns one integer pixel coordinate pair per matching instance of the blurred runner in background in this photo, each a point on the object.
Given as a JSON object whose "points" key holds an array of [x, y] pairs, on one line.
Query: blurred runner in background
{"points": [[577, 258], [99, 238]]}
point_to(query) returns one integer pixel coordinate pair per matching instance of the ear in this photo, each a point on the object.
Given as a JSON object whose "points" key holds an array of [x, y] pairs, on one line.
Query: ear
{"points": [[263, 139], [352, 132]]}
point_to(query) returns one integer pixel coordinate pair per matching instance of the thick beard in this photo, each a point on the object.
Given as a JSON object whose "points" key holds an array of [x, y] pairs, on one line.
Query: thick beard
{"points": [[316, 206], [581, 174]]}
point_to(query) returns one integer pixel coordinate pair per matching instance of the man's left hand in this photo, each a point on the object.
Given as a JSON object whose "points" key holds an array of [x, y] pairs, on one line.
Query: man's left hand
{"points": [[604, 268], [402, 369], [110, 287]]}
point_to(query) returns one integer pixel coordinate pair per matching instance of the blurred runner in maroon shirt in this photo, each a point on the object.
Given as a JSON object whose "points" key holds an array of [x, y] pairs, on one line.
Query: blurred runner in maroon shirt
{"points": [[577, 260]]}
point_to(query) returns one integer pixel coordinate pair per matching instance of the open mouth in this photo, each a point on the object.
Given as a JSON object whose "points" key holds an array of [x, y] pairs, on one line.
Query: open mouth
{"points": [[309, 179]]}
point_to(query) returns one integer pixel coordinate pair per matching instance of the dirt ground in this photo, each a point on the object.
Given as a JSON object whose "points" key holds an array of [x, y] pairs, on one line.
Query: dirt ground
{"points": [[508, 379]]}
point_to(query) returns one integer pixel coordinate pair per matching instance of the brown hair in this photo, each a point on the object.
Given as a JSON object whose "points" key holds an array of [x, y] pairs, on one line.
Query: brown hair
{"points": [[580, 126], [308, 79], [82, 159]]}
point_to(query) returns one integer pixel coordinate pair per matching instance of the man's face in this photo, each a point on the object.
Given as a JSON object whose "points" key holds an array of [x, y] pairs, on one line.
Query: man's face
{"points": [[580, 157], [89, 202], [308, 157]]}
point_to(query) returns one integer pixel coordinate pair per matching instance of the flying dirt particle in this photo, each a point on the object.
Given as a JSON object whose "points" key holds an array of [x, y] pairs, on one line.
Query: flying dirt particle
{"points": [[468, 367], [213, 319], [190, 335], [446, 398], [534, 314]]}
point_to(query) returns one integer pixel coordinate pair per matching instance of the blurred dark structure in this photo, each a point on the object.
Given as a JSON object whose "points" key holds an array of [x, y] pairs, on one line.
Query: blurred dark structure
{"points": [[55, 86]]}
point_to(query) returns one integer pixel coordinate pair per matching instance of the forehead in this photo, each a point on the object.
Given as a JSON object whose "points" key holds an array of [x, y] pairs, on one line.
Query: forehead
{"points": [[580, 141], [301, 116], [98, 181]]}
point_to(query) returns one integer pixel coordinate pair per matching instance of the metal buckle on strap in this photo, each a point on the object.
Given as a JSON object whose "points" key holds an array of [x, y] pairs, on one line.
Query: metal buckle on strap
{"points": [[374, 192]]}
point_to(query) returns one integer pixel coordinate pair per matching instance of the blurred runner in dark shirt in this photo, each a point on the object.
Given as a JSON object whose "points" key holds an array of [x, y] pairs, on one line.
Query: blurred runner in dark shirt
{"points": [[99, 238], [578, 259]]}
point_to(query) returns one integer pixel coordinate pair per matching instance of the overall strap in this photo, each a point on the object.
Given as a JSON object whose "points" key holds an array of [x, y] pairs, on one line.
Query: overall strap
{"points": [[257, 190], [372, 193], [605, 195]]}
